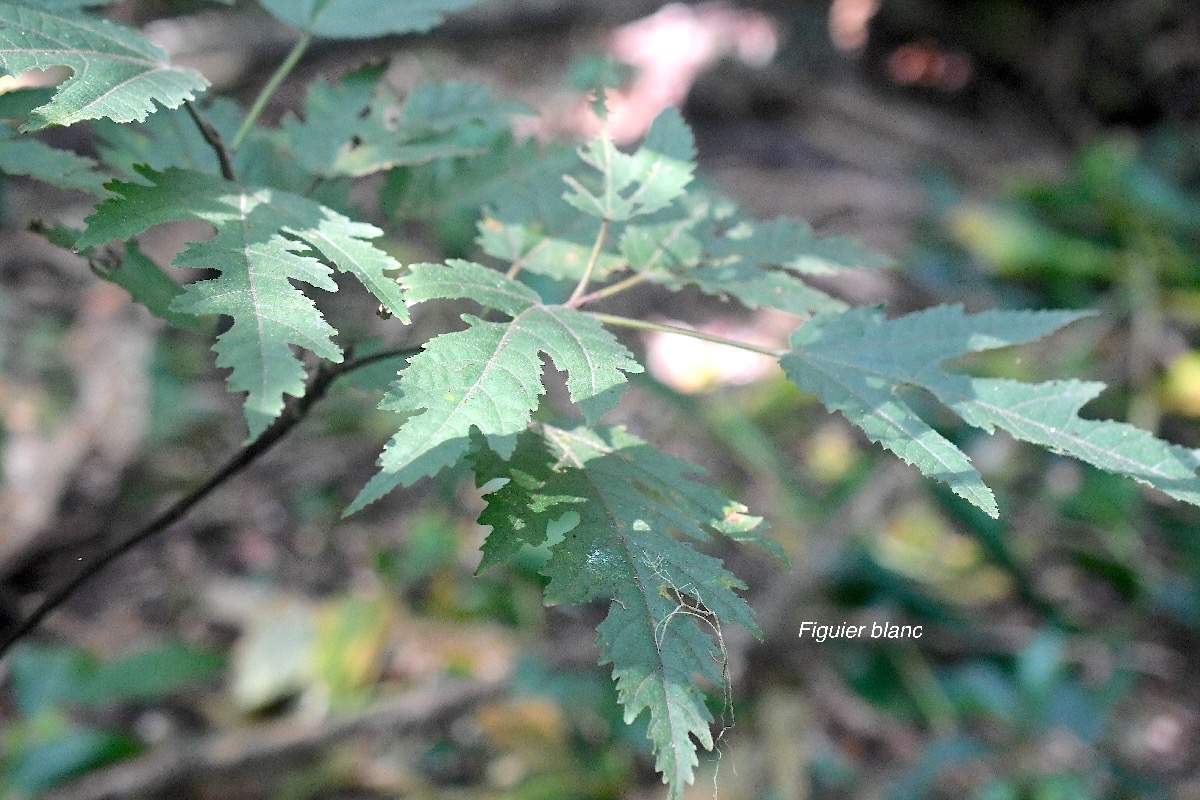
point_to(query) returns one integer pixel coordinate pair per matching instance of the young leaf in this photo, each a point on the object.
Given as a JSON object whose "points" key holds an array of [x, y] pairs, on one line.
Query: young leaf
{"points": [[668, 600], [488, 377], [363, 19], [634, 185], [118, 73], [262, 244], [38, 160], [856, 362]]}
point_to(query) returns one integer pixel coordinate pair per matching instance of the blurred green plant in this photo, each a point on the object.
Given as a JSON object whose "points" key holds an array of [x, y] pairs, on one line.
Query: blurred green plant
{"points": [[46, 745]]}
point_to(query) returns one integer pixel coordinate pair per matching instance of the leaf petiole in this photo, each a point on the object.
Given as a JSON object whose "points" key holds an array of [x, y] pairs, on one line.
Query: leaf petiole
{"points": [[626, 322], [586, 278], [260, 102], [609, 291]]}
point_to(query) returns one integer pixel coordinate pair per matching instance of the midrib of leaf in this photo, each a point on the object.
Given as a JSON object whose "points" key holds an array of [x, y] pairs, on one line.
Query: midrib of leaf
{"points": [[660, 670], [1098, 454], [67, 49], [259, 312], [467, 395], [676, 233], [587, 353]]}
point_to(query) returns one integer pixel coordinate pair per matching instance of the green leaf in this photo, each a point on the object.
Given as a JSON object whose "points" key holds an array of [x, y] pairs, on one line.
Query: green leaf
{"points": [[668, 600], [363, 19], [355, 129], [642, 183], [40, 161], [856, 362], [118, 73], [21, 102], [708, 242], [263, 243], [333, 115], [168, 139], [488, 377], [149, 285]]}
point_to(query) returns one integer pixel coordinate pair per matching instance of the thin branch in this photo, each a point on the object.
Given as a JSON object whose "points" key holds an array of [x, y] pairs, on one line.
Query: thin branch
{"points": [[214, 139], [609, 291], [260, 102], [626, 322], [292, 415], [591, 264]]}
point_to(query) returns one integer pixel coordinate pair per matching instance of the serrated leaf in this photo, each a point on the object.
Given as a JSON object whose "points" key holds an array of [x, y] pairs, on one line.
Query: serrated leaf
{"points": [[333, 115], [706, 241], [354, 129], [632, 185], [448, 106], [667, 598], [856, 362], [794, 246], [117, 73], [263, 242], [488, 377], [40, 161], [363, 19]]}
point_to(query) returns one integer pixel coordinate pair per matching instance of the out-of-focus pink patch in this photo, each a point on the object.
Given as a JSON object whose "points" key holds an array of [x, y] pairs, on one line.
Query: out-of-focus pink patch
{"points": [[669, 49], [692, 365]]}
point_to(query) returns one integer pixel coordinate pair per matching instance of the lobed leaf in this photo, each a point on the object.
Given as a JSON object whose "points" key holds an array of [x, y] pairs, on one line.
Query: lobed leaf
{"points": [[354, 129], [640, 183], [667, 600], [488, 377], [265, 239], [363, 19], [117, 73], [40, 161], [857, 361]]}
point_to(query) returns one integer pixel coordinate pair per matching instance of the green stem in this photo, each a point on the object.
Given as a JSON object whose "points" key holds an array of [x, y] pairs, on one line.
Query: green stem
{"points": [[573, 300], [626, 322], [609, 291], [260, 102]]}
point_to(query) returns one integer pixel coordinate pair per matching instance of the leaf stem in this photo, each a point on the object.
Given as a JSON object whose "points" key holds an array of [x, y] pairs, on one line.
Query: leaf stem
{"points": [[260, 102], [292, 415], [626, 322], [214, 139], [609, 291], [591, 265]]}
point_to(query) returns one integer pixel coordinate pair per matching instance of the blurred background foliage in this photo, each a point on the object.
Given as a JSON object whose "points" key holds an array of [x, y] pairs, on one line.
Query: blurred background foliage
{"points": [[1010, 153]]}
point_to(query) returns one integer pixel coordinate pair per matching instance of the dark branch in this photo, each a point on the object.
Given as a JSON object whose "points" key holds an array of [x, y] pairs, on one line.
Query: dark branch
{"points": [[292, 415], [214, 139]]}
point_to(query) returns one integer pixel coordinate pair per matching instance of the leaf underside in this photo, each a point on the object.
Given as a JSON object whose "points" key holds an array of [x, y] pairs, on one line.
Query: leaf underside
{"points": [[117, 73], [668, 601], [265, 240], [856, 362]]}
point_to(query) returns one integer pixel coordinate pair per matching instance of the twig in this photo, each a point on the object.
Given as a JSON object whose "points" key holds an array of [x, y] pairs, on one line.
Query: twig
{"points": [[292, 415], [642, 325], [257, 749], [214, 139], [610, 290], [584, 279]]}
